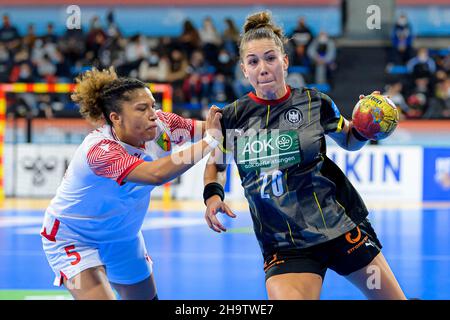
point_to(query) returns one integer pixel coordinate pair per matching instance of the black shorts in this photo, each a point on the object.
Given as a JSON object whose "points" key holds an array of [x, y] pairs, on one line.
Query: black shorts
{"points": [[344, 255]]}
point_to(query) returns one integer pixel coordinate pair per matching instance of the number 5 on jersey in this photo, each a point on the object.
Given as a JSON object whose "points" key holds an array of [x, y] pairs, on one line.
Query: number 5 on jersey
{"points": [[276, 183]]}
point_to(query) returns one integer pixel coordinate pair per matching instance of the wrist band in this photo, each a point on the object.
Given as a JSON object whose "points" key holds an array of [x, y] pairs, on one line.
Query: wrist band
{"points": [[212, 189], [211, 141], [358, 135]]}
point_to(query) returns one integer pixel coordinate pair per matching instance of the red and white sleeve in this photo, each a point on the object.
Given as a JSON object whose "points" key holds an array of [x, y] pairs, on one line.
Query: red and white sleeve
{"points": [[181, 129], [110, 160]]}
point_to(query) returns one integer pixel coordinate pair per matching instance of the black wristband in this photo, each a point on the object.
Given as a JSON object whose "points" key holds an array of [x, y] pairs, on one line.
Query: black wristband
{"points": [[358, 135], [212, 189]]}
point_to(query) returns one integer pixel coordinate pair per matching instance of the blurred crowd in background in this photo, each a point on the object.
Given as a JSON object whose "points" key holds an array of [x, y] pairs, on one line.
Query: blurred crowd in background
{"points": [[202, 65], [419, 81]]}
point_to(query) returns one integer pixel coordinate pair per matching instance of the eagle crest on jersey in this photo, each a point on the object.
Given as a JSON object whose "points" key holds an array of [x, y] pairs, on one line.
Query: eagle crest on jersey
{"points": [[294, 116]]}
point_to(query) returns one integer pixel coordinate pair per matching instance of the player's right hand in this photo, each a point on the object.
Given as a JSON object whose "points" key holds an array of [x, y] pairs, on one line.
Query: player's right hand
{"points": [[214, 205], [213, 126], [361, 96]]}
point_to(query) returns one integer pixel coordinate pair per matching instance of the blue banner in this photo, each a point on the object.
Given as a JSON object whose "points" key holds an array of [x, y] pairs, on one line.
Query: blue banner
{"points": [[436, 174], [433, 20]]}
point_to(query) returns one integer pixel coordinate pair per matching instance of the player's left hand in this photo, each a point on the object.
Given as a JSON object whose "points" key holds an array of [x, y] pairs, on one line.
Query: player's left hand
{"points": [[212, 209]]}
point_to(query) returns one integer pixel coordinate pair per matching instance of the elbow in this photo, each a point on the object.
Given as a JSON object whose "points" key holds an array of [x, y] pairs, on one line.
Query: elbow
{"points": [[355, 146]]}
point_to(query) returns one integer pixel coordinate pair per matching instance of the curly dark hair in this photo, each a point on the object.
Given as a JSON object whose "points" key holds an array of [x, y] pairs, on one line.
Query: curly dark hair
{"points": [[100, 92]]}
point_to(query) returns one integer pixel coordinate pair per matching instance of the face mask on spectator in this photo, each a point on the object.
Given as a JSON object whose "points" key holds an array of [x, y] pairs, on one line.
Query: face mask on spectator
{"points": [[323, 39], [224, 58], [24, 72], [153, 59], [423, 57], [38, 43], [402, 21]]}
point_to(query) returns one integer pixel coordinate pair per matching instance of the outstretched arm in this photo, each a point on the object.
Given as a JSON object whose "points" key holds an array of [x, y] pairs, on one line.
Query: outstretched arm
{"points": [[346, 135], [165, 169]]}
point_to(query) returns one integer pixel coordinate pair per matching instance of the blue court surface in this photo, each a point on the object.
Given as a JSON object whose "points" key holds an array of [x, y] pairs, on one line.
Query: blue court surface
{"points": [[193, 262]]}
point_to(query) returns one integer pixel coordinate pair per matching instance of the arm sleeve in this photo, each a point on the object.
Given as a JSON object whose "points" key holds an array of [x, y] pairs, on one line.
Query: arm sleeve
{"points": [[181, 129], [110, 160], [330, 117]]}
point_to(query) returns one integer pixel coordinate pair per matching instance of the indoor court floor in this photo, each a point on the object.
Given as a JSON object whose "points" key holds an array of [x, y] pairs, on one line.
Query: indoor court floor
{"points": [[193, 262]]}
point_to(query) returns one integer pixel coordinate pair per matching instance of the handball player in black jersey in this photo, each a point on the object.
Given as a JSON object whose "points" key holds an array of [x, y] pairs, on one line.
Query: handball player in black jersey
{"points": [[306, 214]]}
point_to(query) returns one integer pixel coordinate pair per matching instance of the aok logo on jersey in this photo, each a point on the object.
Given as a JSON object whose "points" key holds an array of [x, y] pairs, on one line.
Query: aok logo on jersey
{"points": [[268, 150]]}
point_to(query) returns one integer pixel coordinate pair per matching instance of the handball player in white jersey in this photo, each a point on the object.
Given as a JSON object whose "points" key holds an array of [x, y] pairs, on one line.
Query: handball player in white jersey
{"points": [[92, 228]]}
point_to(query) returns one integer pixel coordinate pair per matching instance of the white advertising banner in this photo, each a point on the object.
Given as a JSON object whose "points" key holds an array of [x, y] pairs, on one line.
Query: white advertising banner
{"points": [[382, 173], [379, 173], [8, 169], [39, 169]]}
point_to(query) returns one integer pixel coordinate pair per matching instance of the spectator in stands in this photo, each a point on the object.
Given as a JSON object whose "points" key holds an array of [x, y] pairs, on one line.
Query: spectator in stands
{"points": [[46, 69], [210, 40], [418, 97], [112, 52], [189, 38], [112, 29], [297, 50], [62, 67], [421, 66], [299, 57], [73, 45], [178, 71], [5, 63], [9, 34], [402, 41], [29, 39], [231, 38], [96, 37], [178, 66], [197, 86], [222, 85], [154, 68], [322, 52], [446, 62], [137, 49], [302, 35], [394, 91], [439, 106], [23, 72], [50, 36]]}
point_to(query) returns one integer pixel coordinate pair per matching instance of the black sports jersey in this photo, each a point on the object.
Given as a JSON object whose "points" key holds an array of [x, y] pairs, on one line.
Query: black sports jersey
{"points": [[297, 196]]}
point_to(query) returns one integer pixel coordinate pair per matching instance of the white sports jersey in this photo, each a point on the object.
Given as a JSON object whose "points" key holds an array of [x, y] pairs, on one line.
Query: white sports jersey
{"points": [[94, 200]]}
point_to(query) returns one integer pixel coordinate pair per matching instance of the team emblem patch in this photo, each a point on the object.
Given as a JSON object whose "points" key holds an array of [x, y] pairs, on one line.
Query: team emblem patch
{"points": [[164, 142], [293, 116]]}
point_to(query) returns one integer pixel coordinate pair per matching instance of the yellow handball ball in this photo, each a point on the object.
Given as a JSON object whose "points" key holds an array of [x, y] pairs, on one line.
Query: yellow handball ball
{"points": [[375, 117]]}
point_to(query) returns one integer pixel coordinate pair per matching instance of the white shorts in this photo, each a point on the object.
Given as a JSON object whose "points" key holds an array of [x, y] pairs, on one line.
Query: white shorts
{"points": [[125, 262]]}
